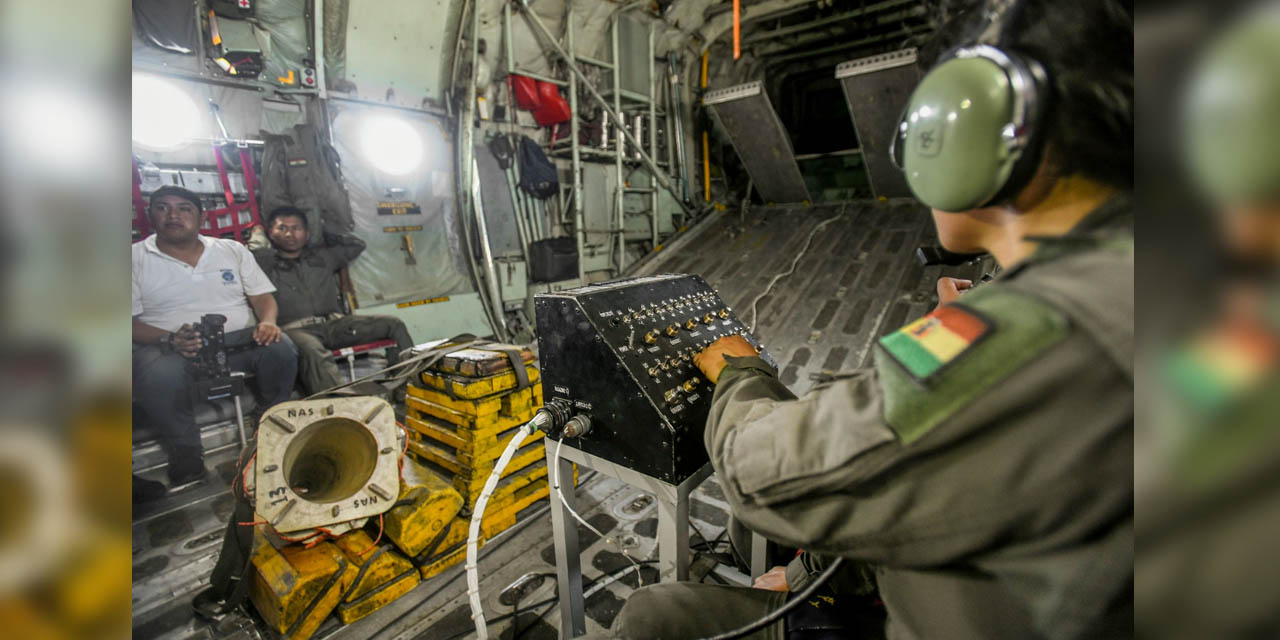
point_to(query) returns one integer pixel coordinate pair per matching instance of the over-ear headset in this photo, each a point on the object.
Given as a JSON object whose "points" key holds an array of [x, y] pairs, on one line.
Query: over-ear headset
{"points": [[973, 130]]}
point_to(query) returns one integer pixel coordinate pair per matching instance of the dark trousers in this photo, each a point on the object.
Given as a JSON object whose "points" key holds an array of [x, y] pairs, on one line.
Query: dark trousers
{"points": [[161, 391], [688, 610], [317, 342]]}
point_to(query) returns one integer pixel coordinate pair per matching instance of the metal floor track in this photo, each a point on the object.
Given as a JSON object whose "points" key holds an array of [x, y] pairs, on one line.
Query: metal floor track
{"points": [[858, 281]]}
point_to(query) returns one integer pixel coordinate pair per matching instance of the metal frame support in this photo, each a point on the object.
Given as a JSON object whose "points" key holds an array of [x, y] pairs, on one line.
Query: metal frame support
{"points": [[673, 529], [579, 221], [318, 50], [619, 217], [653, 144], [622, 128]]}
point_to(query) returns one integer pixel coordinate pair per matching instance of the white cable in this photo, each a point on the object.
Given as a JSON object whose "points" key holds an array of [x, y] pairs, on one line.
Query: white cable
{"points": [[752, 327], [473, 577], [554, 474]]}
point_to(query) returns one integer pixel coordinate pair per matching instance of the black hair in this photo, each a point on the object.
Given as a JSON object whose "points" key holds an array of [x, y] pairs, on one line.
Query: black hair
{"points": [[174, 190], [280, 212], [1086, 47]]}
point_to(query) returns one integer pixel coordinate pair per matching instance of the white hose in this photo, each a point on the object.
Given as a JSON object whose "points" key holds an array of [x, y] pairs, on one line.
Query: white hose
{"points": [[554, 474], [473, 577], [807, 241]]}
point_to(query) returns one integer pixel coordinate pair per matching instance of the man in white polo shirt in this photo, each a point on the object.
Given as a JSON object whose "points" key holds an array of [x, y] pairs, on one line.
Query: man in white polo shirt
{"points": [[179, 276]]}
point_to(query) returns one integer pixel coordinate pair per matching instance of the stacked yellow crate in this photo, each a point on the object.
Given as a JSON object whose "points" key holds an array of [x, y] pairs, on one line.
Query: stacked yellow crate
{"points": [[460, 417]]}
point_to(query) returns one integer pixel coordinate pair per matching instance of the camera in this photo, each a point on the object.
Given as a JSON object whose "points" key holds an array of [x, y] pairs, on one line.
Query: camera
{"points": [[209, 369], [211, 360]]}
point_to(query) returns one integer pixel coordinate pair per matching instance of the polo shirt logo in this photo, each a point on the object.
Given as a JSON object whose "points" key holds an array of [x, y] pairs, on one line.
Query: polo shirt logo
{"points": [[228, 276]]}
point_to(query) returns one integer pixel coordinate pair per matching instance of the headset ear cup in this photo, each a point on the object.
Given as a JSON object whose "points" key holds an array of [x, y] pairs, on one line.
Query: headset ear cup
{"points": [[988, 146], [1035, 103]]}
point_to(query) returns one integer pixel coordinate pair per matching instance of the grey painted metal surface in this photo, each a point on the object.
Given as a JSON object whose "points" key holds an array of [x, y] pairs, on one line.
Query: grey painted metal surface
{"points": [[859, 280], [876, 89], [761, 141]]}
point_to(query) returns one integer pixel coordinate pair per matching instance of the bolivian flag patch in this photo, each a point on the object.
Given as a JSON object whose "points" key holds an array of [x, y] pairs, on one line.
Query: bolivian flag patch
{"points": [[927, 345]]}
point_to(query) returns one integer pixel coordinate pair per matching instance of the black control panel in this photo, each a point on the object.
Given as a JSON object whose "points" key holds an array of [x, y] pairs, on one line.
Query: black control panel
{"points": [[622, 353]]}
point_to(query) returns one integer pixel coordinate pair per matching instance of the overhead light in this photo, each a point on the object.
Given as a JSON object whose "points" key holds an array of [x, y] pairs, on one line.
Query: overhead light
{"points": [[391, 144], [165, 117]]}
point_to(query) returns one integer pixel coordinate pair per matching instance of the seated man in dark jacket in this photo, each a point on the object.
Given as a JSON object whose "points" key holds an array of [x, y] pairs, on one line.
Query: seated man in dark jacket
{"points": [[307, 291]]}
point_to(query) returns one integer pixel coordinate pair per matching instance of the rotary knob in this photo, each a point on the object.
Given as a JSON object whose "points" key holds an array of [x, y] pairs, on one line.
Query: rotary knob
{"points": [[651, 337], [673, 330], [691, 324]]}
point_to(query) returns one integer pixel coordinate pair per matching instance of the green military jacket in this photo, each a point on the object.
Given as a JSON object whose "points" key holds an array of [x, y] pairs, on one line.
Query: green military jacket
{"points": [[307, 286], [983, 466]]}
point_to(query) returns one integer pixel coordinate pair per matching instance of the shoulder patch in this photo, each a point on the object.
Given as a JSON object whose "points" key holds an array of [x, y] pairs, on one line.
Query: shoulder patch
{"points": [[933, 367], [1224, 365], [929, 344]]}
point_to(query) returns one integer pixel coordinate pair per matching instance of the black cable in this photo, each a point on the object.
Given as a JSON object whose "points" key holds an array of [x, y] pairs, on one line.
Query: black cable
{"points": [[777, 614], [586, 585]]}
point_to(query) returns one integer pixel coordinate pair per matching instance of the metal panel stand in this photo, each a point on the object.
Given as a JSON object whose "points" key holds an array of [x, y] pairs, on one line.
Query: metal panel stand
{"points": [[673, 530]]}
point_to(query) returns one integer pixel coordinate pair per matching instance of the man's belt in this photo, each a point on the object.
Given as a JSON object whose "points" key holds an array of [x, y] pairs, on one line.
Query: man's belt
{"points": [[306, 322]]}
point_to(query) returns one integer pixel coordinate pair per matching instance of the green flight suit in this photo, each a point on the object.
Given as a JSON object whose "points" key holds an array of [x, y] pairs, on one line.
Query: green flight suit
{"points": [[309, 299], [991, 488]]}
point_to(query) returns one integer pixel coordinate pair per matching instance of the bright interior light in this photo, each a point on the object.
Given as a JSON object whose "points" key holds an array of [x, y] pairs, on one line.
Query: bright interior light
{"points": [[55, 126], [391, 144], [164, 116]]}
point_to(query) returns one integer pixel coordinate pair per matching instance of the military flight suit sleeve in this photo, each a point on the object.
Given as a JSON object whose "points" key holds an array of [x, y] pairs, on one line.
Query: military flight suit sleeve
{"points": [[341, 249], [879, 467]]}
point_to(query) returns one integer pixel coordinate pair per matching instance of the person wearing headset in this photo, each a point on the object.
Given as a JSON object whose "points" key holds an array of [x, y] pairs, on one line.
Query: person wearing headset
{"points": [[982, 469], [1208, 485]]}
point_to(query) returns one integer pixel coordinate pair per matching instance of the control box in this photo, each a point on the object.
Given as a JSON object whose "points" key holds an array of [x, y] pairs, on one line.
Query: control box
{"points": [[621, 352]]}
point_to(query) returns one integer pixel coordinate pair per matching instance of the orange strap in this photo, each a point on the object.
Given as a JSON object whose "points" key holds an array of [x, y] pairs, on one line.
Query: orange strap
{"points": [[737, 29]]}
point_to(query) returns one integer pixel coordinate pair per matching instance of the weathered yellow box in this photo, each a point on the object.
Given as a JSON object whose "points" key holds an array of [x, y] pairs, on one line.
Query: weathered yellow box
{"points": [[516, 404], [474, 388], [471, 454], [433, 504], [295, 588], [383, 576], [482, 360], [465, 425], [468, 480]]}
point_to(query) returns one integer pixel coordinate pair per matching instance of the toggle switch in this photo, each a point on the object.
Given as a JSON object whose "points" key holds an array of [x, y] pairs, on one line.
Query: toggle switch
{"points": [[651, 337], [689, 385], [673, 330], [653, 371], [724, 313], [671, 395], [691, 324], [709, 318]]}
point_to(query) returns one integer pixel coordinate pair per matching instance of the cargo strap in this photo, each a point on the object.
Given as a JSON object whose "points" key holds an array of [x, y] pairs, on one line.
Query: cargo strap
{"points": [[425, 557], [364, 567], [333, 580], [517, 365], [229, 582]]}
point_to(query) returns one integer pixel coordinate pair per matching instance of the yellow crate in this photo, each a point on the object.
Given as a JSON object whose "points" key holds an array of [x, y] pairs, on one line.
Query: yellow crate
{"points": [[475, 388], [466, 425], [481, 360], [426, 451], [286, 581], [515, 403], [467, 455], [453, 436], [387, 576], [433, 505], [452, 549]]}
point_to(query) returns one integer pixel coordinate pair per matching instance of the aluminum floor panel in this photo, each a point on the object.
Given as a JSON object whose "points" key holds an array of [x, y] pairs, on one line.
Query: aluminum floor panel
{"points": [[858, 281]]}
